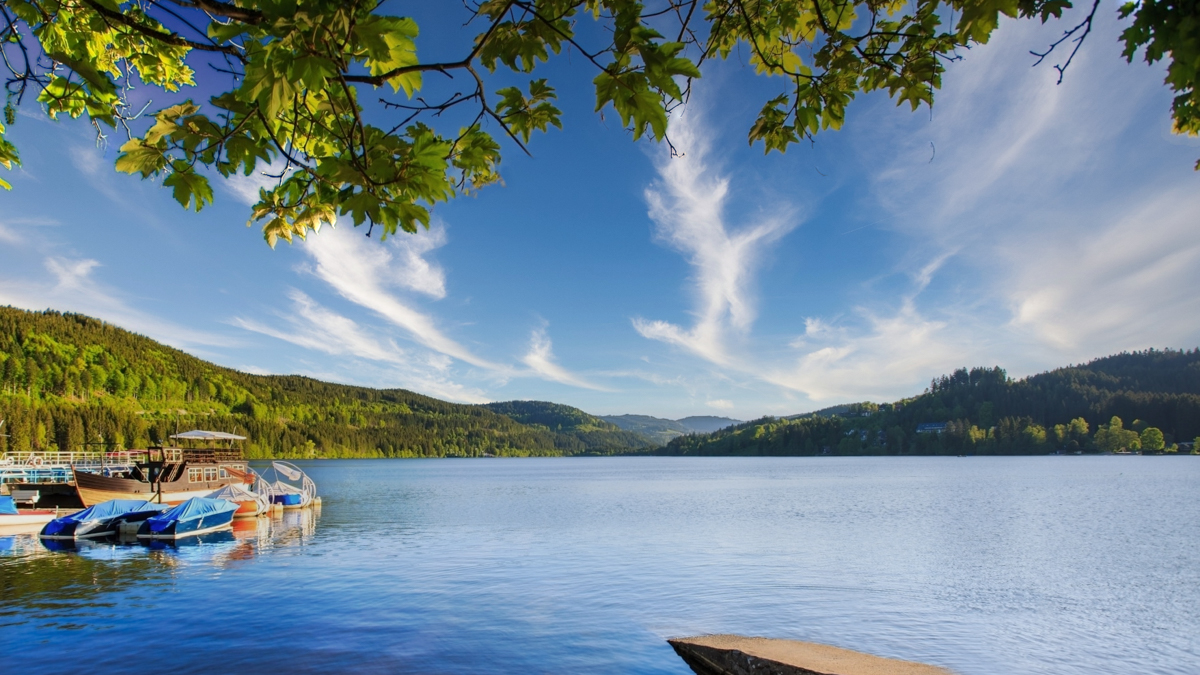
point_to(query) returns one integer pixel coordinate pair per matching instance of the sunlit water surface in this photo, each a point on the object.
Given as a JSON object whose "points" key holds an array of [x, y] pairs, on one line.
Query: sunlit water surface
{"points": [[1065, 565]]}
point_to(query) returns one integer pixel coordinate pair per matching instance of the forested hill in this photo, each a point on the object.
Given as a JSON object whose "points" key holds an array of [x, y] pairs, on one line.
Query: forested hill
{"points": [[1121, 402], [592, 431], [68, 381], [663, 430]]}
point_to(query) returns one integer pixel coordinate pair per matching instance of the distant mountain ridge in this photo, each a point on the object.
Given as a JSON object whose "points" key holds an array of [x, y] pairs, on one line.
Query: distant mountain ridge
{"points": [[982, 411], [707, 423], [663, 430]]}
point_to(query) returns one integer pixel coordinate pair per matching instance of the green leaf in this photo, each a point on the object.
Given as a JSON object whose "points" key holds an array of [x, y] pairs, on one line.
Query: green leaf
{"points": [[189, 188], [99, 82], [137, 157], [772, 128], [8, 153], [981, 17], [389, 42], [526, 115]]}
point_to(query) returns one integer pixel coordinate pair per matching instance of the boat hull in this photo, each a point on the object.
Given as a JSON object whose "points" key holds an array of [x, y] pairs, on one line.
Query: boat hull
{"points": [[94, 489], [29, 517], [26, 522], [292, 501], [249, 510], [88, 529]]}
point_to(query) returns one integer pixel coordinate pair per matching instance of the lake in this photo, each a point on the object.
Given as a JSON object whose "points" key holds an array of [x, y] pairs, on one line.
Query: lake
{"points": [[985, 565]]}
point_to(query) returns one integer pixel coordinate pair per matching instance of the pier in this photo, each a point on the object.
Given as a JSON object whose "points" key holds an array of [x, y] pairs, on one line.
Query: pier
{"points": [[738, 655]]}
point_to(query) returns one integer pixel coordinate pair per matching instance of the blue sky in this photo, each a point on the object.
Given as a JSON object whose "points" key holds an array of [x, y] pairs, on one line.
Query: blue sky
{"points": [[1020, 224]]}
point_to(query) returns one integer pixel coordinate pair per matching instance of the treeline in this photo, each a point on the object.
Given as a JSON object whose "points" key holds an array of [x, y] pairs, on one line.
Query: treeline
{"points": [[1087, 408], [70, 382]]}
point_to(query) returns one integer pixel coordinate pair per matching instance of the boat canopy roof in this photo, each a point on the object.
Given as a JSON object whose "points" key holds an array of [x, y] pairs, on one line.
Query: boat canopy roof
{"points": [[291, 472], [199, 435], [281, 487], [8, 507], [196, 507], [233, 493], [111, 509]]}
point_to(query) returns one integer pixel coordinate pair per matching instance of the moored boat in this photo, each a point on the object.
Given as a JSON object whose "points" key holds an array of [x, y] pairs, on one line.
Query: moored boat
{"points": [[12, 517], [288, 486], [170, 475], [100, 520], [197, 515], [250, 504], [288, 496]]}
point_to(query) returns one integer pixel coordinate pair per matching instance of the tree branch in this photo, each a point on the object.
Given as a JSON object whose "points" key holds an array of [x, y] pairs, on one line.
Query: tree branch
{"points": [[225, 10], [379, 80], [1086, 25], [167, 38]]}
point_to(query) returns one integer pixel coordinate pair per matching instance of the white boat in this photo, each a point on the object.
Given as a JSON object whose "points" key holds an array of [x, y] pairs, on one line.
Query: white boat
{"points": [[13, 519], [287, 486], [250, 504]]}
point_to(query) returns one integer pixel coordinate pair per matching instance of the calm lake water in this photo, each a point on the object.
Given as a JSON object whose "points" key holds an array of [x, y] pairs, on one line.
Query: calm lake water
{"points": [[1065, 565]]}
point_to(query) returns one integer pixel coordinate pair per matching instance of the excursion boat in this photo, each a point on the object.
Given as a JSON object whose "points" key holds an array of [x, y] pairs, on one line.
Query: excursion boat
{"points": [[250, 504], [11, 516], [195, 516], [100, 520], [171, 475]]}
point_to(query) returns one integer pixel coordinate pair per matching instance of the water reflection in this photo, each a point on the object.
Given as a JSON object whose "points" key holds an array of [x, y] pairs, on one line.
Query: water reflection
{"points": [[66, 577], [294, 528], [60, 587]]}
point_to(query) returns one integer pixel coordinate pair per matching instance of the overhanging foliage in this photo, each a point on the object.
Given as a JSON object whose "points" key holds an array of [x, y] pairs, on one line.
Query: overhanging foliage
{"points": [[290, 77]]}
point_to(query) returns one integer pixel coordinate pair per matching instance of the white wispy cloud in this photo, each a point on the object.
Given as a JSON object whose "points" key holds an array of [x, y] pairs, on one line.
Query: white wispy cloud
{"points": [[312, 326], [365, 271], [71, 285], [373, 360], [9, 236], [1060, 198], [72, 275], [372, 274], [1071, 263], [688, 207], [879, 356], [540, 359], [875, 352], [1127, 285]]}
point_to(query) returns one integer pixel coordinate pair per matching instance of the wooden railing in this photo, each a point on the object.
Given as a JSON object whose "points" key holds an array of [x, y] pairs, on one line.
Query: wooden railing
{"points": [[194, 455]]}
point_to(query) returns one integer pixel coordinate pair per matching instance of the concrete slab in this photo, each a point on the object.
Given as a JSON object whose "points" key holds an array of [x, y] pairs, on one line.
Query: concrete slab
{"points": [[738, 655]]}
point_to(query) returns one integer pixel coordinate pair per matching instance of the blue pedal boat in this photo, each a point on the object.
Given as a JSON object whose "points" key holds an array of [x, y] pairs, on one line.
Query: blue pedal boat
{"points": [[100, 520], [194, 516]]}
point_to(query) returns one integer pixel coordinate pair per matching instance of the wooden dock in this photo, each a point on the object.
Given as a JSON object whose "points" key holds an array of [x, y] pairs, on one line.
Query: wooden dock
{"points": [[738, 655]]}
